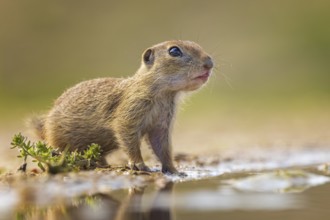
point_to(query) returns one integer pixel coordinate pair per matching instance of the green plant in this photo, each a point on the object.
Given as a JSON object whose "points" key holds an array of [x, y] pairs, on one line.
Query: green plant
{"points": [[54, 161]]}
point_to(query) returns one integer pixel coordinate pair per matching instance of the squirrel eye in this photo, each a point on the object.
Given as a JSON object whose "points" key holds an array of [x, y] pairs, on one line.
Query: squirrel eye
{"points": [[175, 52]]}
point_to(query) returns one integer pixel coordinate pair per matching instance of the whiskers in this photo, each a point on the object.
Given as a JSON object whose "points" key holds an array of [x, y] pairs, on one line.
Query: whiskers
{"points": [[221, 67]]}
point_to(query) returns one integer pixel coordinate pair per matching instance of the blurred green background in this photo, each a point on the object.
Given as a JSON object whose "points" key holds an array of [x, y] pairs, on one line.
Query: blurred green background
{"points": [[272, 57]]}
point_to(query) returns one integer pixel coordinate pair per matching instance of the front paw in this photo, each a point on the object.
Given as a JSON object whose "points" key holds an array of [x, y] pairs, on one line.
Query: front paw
{"points": [[139, 167], [173, 171]]}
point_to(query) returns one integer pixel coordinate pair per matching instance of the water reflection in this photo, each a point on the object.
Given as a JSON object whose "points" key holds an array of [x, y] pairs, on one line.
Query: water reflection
{"points": [[103, 206], [134, 208], [283, 191]]}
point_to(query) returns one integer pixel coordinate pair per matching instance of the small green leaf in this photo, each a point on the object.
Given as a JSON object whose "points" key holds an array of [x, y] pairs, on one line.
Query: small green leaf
{"points": [[55, 160], [41, 166]]}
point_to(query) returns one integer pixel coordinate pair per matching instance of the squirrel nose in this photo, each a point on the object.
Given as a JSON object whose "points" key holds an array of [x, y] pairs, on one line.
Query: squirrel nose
{"points": [[208, 63]]}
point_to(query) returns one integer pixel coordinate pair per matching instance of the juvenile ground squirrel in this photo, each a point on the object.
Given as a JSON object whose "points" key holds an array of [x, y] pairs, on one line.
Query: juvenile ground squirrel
{"points": [[119, 112]]}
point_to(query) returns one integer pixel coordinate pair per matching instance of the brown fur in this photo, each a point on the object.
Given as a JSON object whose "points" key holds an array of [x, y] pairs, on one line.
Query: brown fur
{"points": [[115, 112]]}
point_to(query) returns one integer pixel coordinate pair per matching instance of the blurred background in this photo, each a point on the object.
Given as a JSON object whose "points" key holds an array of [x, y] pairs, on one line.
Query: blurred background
{"points": [[271, 86]]}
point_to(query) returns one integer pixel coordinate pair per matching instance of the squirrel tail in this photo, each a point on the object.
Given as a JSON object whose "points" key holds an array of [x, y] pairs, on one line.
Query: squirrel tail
{"points": [[37, 125]]}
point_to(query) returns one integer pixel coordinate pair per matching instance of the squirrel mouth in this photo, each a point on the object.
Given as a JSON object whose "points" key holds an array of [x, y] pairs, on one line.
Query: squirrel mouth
{"points": [[204, 76]]}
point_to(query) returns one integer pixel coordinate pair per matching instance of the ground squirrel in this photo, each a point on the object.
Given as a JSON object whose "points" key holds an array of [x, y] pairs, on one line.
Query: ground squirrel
{"points": [[119, 112]]}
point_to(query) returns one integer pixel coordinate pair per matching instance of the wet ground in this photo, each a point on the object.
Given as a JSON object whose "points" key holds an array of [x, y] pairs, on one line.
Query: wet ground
{"points": [[256, 184]]}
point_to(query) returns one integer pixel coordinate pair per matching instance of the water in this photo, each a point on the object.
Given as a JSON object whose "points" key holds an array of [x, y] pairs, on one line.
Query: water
{"points": [[265, 184], [212, 198], [228, 204]]}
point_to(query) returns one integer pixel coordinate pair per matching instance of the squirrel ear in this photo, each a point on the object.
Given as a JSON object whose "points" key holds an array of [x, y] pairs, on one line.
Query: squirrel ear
{"points": [[148, 57]]}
